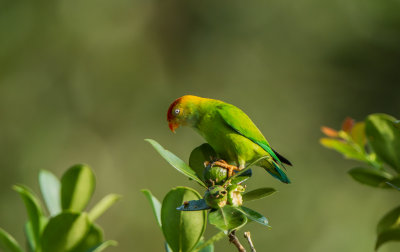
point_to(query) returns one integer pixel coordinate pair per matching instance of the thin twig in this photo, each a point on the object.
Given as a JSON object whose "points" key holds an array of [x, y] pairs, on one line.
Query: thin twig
{"points": [[233, 239], [247, 236]]}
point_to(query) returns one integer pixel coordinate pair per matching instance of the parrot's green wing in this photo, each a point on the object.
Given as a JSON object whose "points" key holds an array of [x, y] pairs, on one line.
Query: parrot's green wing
{"points": [[242, 124]]}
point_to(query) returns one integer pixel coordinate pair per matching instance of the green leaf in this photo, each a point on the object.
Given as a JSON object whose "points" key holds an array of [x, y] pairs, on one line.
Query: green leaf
{"points": [[155, 205], [30, 237], [357, 133], [204, 247], [176, 162], [208, 246], [254, 216], [198, 156], [104, 245], [50, 188], [92, 239], [194, 205], [391, 220], [258, 193], [371, 177], [388, 228], [8, 243], [102, 206], [167, 247], [393, 185], [384, 138], [386, 236], [345, 148], [34, 211], [65, 232], [227, 218], [182, 230], [77, 187]]}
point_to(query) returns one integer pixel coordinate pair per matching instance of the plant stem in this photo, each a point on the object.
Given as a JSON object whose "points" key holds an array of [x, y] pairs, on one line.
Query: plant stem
{"points": [[233, 239], [247, 236], [213, 239]]}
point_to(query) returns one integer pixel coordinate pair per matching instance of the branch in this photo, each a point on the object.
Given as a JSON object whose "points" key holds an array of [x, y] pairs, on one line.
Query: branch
{"points": [[247, 236], [233, 239]]}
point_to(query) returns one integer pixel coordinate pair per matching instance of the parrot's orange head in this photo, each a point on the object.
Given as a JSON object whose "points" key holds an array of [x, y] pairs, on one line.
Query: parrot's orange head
{"points": [[180, 111]]}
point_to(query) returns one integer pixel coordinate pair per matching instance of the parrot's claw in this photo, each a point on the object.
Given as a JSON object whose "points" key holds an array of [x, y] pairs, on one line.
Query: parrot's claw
{"points": [[224, 164]]}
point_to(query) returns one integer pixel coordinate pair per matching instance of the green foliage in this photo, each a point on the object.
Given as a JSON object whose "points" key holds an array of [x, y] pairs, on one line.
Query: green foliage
{"points": [[198, 156], [371, 177], [227, 218], [68, 228], [176, 162], [77, 187], [182, 230], [375, 142], [8, 243], [384, 138], [50, 189], [224, 198], [258, 193]]}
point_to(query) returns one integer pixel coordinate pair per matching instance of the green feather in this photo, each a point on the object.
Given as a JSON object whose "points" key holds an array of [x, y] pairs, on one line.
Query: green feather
{"points": [[243, 125]]}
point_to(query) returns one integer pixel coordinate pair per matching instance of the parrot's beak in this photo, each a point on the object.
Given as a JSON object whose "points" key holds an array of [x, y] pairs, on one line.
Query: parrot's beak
{"points": [[173, 126]]}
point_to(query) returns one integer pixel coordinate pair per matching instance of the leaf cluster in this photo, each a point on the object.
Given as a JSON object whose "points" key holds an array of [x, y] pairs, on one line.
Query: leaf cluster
{"points": [[66, 227], [183, 230], [376, 143]]}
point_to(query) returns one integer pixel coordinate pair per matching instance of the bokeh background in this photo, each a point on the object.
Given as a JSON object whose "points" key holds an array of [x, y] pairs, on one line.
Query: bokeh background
{"points": [[87, 81]]}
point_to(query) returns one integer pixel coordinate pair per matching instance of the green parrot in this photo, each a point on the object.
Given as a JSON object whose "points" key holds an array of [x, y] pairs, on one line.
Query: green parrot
{"points": [[231, 133]]}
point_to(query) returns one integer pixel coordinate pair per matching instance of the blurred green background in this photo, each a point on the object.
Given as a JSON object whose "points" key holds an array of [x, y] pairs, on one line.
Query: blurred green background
{"points": [[87, 81]]}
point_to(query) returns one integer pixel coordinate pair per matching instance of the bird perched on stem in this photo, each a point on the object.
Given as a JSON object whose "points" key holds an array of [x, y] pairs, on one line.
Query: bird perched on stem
{"points": [[231, 133]]}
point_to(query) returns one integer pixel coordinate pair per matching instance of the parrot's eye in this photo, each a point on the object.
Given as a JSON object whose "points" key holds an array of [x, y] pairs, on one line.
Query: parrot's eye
{"points": [[177, 111]]}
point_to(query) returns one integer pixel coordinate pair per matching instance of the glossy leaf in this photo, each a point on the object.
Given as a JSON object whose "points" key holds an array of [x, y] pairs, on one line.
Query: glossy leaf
{"points": [[51, 190], [194, 205], [227, 218], [198, 156], [176, 162], [8, 243], [371, 177], [65, 232], [77, 187], [34, 211], [155, 205], [92, 239], [254, 216], [384, 138], [182, 230], [258, 193], [102, 246], [386, 236], [391, 220], [102, 206], [344, 148]]}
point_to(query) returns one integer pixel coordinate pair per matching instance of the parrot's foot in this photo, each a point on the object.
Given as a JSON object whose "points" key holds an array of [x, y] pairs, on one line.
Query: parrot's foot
{"points": [[224, 164]]}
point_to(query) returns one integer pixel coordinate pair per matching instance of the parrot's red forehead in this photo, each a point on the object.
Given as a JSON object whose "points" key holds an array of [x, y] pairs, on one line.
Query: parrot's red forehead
{"points": [[171, 107]]}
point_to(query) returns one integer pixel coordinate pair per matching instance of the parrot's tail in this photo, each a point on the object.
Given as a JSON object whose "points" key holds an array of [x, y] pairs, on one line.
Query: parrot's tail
{"points": [[274, 169]]}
